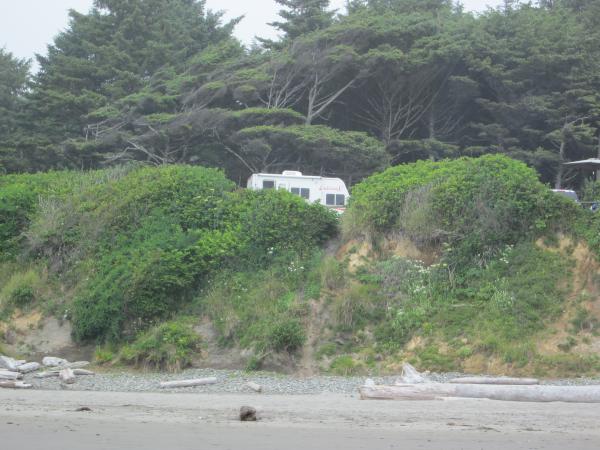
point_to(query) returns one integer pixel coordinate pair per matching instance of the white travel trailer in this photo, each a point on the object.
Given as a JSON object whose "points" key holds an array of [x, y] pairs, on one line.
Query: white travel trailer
{"points": [[331, 192]]}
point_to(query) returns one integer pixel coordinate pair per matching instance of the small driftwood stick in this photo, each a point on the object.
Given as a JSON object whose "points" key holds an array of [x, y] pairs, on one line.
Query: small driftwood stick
{"points": [[188, 383], [15, 385], [80, 372]]}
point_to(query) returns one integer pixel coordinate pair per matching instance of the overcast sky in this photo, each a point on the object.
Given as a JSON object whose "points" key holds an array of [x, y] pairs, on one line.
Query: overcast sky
{"points": [[27, 26]]}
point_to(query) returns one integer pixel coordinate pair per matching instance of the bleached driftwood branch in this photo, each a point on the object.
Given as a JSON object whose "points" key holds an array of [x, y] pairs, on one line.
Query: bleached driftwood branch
{"points": [[10, 375], [188, 383]]}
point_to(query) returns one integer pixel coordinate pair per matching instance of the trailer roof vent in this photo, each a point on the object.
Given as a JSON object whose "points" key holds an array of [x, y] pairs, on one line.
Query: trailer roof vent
{"points": [[292, 173]]}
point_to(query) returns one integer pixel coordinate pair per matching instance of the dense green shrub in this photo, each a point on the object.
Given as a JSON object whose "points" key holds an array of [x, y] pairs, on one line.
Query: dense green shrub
{"points": [[476, 205], [19, 196], [16, 204], [135, 243], [169, 346], [345, 366], [21, 290], [287, 335], [277, 221]]}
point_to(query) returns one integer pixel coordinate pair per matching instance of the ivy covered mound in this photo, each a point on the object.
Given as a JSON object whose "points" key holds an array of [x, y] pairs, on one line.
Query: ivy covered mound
{"points": [[120, 250], [500, 292]]}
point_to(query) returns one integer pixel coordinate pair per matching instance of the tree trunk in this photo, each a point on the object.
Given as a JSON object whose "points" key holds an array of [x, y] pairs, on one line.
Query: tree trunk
{"points": [[561, 168], [431, 125]]}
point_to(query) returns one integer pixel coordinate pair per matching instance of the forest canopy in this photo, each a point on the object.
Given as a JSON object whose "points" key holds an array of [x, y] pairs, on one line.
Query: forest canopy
{"points": [[343, 93]]}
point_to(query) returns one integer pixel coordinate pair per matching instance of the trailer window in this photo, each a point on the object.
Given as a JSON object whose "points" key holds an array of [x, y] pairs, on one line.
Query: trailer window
{"points": [[302, 192], [335, 199], [268, 184]]}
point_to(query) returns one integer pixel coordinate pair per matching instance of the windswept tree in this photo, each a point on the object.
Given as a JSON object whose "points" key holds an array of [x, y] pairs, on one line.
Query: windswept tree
{"points": [[112, 52]]}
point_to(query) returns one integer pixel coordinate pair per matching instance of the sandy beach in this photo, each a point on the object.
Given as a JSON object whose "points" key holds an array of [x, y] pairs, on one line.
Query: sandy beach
{"points": [[49, 419]]}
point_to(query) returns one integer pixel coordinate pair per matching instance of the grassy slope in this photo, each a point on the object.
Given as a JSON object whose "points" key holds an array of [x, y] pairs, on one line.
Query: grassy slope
{"points": [[535, 313]]}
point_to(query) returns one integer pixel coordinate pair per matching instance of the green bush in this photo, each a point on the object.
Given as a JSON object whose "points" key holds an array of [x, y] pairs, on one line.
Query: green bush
{"points": [[287, 336], [104, 355], [345, 366], [432, 359], [21, 290], [169, 346], [476, 205], [19, 203], [275, 222], [166, 232]]}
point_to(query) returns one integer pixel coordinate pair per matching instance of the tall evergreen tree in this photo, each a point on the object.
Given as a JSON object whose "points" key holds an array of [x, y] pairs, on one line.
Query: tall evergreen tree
{"points": [[14, 74], [113, 52], [300, 17]]}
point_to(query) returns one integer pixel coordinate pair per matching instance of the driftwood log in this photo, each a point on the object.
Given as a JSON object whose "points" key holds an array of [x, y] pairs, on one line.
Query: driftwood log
{"points": [[47, 374], [9, 363], [254, 386], [495, 380], [77, 364], [67, 376], [9, 375], [432, 391], [15, 385], [51, 361], [188, 383], [29, 367], [80, 372]]}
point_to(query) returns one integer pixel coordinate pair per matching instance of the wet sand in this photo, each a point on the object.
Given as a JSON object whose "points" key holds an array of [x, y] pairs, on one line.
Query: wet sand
{"points": [[48, 420]]}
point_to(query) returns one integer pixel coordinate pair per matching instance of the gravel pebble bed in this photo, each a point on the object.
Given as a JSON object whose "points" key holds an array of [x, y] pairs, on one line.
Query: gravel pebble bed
{"points": [[233, 381]]}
